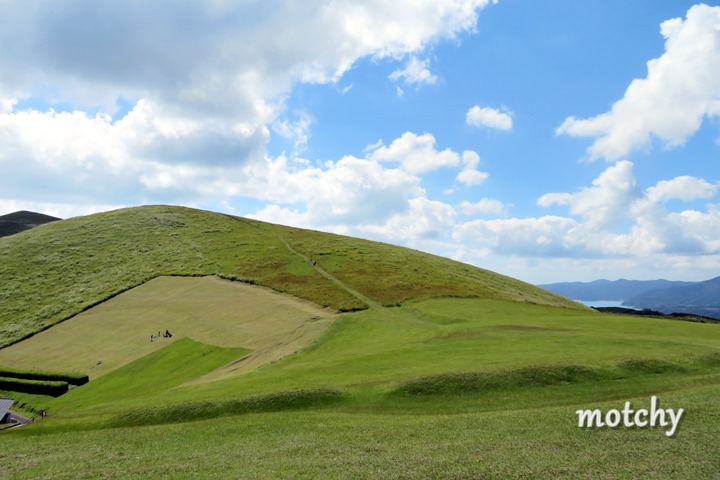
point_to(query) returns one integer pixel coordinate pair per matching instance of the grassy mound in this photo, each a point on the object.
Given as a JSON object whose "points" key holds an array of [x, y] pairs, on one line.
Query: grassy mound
{"points": [[57, 270]]}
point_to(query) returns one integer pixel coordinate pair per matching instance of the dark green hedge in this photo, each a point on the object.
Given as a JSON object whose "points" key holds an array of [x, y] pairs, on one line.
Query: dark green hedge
{"points": [[71, 378], [37, 387]]}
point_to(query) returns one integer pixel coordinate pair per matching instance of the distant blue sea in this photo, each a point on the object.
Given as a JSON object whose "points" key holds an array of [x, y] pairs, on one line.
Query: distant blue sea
{"points": [[603, 303]]}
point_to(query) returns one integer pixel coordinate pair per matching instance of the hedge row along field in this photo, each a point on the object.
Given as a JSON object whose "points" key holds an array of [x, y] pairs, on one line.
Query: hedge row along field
{"points": [[37, 387], [73, 378], [37, 382]]}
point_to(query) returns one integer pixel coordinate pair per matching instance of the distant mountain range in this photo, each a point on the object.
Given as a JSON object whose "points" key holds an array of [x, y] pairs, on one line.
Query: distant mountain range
{"points": [[17, 222], [618, 290], [700, 298]]}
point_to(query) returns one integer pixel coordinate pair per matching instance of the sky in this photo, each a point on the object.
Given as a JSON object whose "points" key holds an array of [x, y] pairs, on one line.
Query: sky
{"points": [[549, 141]]}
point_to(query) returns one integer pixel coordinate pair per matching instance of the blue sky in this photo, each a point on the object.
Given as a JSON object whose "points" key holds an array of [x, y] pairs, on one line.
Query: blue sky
{"points": [[549, 141]]}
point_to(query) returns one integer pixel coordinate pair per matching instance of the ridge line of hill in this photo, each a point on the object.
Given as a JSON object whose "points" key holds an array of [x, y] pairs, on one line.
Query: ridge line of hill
{"points": [[330, 277], [52, 273]]}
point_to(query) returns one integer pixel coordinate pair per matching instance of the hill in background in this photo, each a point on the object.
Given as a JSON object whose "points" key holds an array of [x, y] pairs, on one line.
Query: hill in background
{"points": [[698, 298], [617, 290], [701, 298], [50, 274], [17, 222]]}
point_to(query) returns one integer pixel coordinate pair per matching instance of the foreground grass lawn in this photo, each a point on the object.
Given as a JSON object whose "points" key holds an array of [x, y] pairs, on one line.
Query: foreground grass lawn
{"points": [[519, 441], [519, 422]]}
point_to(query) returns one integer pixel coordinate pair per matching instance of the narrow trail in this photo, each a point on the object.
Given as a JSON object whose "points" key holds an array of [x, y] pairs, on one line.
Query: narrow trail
{"points": [[370, 303]]}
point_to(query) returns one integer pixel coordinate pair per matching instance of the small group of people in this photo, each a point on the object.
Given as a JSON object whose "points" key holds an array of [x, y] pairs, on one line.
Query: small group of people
{"points": [[167, 334]]}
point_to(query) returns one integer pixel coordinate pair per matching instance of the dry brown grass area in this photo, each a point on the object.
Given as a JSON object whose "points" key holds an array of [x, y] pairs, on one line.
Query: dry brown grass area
{"points": [[206, 309]]}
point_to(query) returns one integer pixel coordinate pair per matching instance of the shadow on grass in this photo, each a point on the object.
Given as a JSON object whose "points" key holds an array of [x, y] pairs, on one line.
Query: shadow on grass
{"points": [[542, 376], [476, 382], [193, 411]]}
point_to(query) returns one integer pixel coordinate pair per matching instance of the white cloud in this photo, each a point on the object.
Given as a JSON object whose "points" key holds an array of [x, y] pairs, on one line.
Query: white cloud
{"points": [[424, 219], [241, 54], [606, 202], [297, 131], [544, 236], [681, 88], [351, 191], [416, 72], [682, 188], [7, 105], [484, 206], [470, 175], [618, 219], [211, 80], [489, 118], [361, 195], [416, 153]]}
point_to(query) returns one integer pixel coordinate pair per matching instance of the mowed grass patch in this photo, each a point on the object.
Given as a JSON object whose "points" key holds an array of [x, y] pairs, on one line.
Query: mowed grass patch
{"points": [[207, 309], [160, 371]]}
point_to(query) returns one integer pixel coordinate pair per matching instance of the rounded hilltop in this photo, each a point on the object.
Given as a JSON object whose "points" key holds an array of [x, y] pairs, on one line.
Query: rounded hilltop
{"points": [[64, 267]]}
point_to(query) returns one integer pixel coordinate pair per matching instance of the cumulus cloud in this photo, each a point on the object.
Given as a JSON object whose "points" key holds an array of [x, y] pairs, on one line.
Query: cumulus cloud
{"points": [[217, 56], [470, 175], [682, 87], [349, 191], [614, 218], [416, 72], [484, 206], [415, 153], [298, 131], [362, 196], [210, 81], [606, 202], [682, 188], [424, 219], [544, 236], [489, 118]]}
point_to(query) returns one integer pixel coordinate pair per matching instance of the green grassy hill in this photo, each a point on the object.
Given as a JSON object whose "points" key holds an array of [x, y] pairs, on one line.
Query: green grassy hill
{"points": [[336, 358], [55, 271]]}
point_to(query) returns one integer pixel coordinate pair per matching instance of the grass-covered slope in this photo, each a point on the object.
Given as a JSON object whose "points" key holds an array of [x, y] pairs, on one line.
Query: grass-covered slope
{"points": [[57, 270], [207, 309], [436, 388]]}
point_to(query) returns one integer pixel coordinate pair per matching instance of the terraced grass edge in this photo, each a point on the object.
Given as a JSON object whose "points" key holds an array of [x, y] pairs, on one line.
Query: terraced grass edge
{"points": [[204, 410]]}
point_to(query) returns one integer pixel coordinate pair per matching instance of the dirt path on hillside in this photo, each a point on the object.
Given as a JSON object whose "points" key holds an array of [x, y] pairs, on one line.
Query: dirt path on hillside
{"points": [[333, 279]]}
